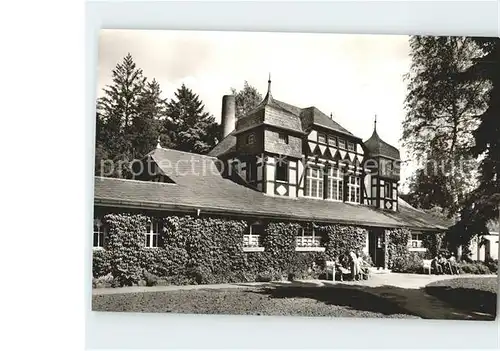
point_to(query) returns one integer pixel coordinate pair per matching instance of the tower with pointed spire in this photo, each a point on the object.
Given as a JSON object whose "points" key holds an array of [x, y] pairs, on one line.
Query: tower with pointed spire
{"points": [[382, 178]]}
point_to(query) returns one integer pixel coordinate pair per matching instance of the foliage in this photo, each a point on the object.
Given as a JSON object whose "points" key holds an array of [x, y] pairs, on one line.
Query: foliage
{"points": [[341, 239], [187, 125], [440, 116], [116, 111], [483, 202], [208, 250], [397, 245], [412, 263], [103, 281], [151, 279], [246, 99], [492, 265], [125, 241], [477, 267], [433, 243], [101, 263]]}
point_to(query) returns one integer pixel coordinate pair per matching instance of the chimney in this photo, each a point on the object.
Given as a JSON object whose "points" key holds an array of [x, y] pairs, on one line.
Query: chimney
{"points": [[228, 118]]}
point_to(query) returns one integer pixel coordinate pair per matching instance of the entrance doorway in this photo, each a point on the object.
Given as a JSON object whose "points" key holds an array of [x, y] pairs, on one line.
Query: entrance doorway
{"points": [[376, 247]]}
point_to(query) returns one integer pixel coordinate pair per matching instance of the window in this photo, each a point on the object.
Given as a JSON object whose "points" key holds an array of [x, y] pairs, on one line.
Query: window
{"points": [[341, 143], [306, 237], [321, 138], [354, 187], [152, 234], [283, 138], [252, 171], [350, 146], [416, 241], [314, 182], [332, 141], [282, 171], [98, 241], [388, 190], [251, 237], [250, 138], [335, 185]]}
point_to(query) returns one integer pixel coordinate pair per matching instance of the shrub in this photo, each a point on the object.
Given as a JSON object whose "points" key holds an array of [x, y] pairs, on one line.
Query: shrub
{"points": [[412, 263], [474, 268], [340, 239], [151, 279], [492, 265], [105, 281], [101, 263], [397, 246]]}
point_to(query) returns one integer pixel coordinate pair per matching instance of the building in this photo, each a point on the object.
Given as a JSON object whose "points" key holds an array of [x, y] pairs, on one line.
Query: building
{"points": [[279, 162], [484, 248]]}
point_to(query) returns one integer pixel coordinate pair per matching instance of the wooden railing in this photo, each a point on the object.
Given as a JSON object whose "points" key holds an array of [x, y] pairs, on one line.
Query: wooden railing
{"points": [[308, 241], [251, 240]]}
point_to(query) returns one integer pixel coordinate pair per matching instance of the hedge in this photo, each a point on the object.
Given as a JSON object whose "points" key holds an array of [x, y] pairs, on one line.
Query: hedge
{"points": [[397, 242], [204, 250]]}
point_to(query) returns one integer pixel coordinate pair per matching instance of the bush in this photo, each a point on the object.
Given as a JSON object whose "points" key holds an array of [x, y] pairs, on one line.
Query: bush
{"points": [[474, 268], [151, 279], [412, 263], [492, 265], [101, 263], [397, 247], [203, 250], [105, 281]]}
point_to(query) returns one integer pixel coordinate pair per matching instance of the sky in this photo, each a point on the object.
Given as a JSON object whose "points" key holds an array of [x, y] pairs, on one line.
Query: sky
{"points": [[354, 77]]}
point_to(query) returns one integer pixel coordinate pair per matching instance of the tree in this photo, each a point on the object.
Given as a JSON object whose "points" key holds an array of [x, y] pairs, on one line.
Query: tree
{"points": [[246, 99], [440, 117], [483, 202], [187, 125], [145, 128], [116, 110]]}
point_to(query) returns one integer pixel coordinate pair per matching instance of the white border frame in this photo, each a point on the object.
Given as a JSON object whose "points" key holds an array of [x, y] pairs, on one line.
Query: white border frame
{"points": [[140, 331]]}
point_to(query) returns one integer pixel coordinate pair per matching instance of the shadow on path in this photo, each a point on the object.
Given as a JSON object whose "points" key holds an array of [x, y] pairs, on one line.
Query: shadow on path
{"points": [[390, 300]]}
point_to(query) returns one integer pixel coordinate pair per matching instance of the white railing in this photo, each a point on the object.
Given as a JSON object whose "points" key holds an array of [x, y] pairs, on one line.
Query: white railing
{"points": [[308, 241], [251, 240]]}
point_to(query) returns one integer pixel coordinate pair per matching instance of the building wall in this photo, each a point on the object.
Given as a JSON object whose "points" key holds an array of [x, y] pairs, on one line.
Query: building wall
{"points": [[481, 253], [273, 144], [243, 148]]}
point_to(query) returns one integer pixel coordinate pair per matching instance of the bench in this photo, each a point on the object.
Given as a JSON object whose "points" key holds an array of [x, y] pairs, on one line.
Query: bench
{"points": [[427, 265], [331, 266]]}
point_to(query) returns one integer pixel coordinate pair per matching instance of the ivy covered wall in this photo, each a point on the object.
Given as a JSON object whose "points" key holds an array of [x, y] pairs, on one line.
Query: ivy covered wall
{"points": [[203, 250]]}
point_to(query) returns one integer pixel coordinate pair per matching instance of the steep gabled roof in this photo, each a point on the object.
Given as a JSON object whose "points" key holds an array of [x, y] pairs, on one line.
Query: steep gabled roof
{"points": [[377, 147], [313, 116]]}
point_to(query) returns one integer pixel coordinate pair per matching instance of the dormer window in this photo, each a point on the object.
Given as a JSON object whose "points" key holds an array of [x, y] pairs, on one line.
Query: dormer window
{"points": [[342, 143], [321, 138], [283, 138], [350, 146], [250, 138], [282, 172]]}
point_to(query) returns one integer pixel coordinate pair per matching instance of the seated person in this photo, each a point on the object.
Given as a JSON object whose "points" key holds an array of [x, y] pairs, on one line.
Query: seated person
{"points": [[363, 266], [445, 265], [453, 264], [436, 266]]}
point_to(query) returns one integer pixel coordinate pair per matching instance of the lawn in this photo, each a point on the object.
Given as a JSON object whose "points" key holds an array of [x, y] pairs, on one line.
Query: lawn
{"points": [[472, 294], [461, 298], [274, 300]]}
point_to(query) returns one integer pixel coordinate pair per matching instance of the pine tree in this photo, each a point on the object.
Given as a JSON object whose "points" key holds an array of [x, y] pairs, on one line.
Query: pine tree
{"points": [[116, 111], [246, 99], [187, 125], [440, 116], [145, 128]]}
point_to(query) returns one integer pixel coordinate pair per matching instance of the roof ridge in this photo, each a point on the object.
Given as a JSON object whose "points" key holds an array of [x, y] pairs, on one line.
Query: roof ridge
{"points": [[186, 152], [132, 180]]}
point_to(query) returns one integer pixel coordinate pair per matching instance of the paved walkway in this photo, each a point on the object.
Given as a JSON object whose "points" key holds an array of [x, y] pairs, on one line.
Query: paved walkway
{"points": [[400, 280]]}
